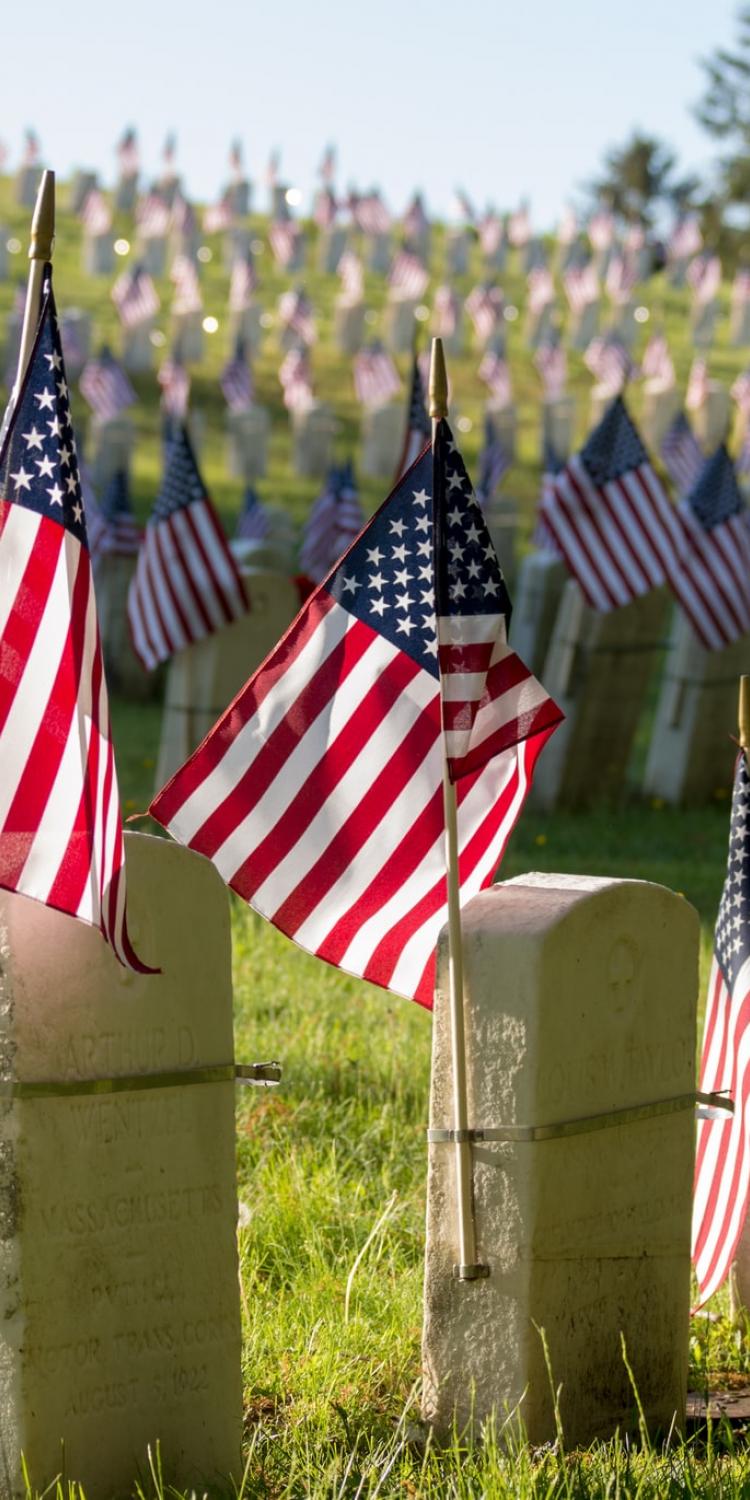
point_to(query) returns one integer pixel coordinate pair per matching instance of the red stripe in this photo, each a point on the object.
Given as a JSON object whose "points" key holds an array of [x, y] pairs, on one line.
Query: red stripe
{"points": [[181, 575], [555, 500], [725, 1247], [156, 582], [28, 608], [209, 514], [543, 720], [715, 1006], [242, 708], [601, 537], [351, 835], [74, 872], [728, 1140], [468, 658], [646, 564], [329, 680], [339, 756]]}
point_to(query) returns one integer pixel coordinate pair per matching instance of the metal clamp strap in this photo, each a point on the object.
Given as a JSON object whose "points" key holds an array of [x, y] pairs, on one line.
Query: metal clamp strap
{"points": [[588, 1123], [58, 1088]]}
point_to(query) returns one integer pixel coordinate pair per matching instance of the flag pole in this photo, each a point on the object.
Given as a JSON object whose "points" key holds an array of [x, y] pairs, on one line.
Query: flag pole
{"points": [[40, 253], [743, 715], [467, 1268]]}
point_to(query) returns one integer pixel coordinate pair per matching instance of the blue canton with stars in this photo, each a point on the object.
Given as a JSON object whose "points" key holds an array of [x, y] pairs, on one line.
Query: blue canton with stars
{"points": [[715, 496], [181, 484], [732, 935], [38, 463], [390, 577], [614, 447]]}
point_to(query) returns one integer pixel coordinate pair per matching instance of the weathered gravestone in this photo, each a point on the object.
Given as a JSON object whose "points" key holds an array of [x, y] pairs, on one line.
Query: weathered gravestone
{"points": [[536, 599], [3, 253], [711, 418], [98, 254], [558, 426], [383, 430], [377, 252], [137, 347], [661, 403], [399, 321], [583, 325], [597, 669], [112, 441], [313, 429], [501, 515], [126, 193], [348, 323], [247, 441], [690, 754], [151, 253], [331, 246], [125, 673], [120, 1298], [188, 337], [203, 679], [580, 1004], [28, 178], [81, 184], [457, 248], [248, 326]]}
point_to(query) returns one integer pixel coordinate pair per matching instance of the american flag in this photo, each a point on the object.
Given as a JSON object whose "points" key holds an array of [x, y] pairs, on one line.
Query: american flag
{"points": [[620, 279], [243, 282], [656, 362], [334, 522], [370, 214], [541, 537], [704, 276], [96, 526], [352, 275], [187, 288], [236, 380], [418, 427], [295, 377], [711, 576], [601, 230], [296, 314], [490, 231], [685, 239], [152, 216], [741, 286], [283, 235], [415, 221], [494, 462], [254, 522], [182, 218], [96, 214], [105, 386], [495, 374], [446, 311], [122, 535], [60, 831], [375, 375], [174, 380], [581, 285], [186, 584], [608, 360], [325, 208], [219, 217], [519, 227], [740, 392], [567, 229], [128, 159], [552, 363], [319, 793], [697, 385], [408, 274], [135, 297], [610, 516], [541, 289], [681, 454], [722, 1167], [484, 305]]}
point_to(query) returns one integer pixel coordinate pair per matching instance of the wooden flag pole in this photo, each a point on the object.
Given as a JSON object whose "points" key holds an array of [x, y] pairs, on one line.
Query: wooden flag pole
{"points": [[743, 715], [40, 252], [467, 1268]]}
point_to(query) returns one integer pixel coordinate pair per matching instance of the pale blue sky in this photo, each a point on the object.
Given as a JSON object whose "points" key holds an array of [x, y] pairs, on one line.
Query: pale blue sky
{"points": [[508, 99]]}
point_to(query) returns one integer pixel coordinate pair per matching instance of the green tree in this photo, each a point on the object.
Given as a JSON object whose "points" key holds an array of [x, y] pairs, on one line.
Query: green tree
{"points": [[724, 111], [640, 177]]}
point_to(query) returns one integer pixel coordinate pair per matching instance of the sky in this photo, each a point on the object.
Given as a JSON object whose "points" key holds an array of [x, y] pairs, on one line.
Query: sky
{"points": [[506, 98]]}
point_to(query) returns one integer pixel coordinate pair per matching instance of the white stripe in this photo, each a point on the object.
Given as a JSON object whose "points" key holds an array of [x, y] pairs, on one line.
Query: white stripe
{"points": [[220, 560], [469, 630], [188, 577], [17, 541], [511, 705]]}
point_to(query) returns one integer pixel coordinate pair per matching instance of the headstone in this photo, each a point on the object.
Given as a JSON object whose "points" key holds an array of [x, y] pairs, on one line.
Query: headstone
{"points": [[203, 679], [331, 246], [111, 444], [188, 337], [3, 253], [703, 324], [586, 1234], [120, 1299], [125, 675], [247, 442], [81, 184], [98, 254], [501, 515], [583, 325], [239, 194], [313, 429], [137, 348], [661, 404], [540, 325], [235, 245], [377, 252], [457, 247], [279, 205], [600, 400], [348, 324], [399, 322], [739, 324], [383, 431], [598, 669], [623, 325], [76, 334], [126, 193], [28, 179], [710, 420], [558, 426], [247, 325], [151, 253], [504, 423], [536, 600], [690, 754]]}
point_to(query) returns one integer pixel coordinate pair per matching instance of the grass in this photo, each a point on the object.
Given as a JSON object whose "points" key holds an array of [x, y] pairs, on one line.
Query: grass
{"points": [[331, 1167]]}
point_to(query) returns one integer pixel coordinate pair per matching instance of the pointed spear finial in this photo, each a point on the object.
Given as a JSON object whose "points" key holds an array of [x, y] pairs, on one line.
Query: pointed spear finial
{"points": [[43, 222], [744, 714], [438, 382]]}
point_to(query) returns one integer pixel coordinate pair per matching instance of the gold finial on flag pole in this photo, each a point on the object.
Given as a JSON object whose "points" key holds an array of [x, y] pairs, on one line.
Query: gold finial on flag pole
{"points": [[743, 715], [40, 253], [467, 1268]]}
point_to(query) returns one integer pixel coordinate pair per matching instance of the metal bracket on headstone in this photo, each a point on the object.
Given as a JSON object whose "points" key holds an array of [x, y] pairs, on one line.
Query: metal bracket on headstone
{"points": [[708, 1106], [265, 1073]]}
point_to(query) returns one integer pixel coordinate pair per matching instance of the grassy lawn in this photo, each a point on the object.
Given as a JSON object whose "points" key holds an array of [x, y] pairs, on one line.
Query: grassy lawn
{"points": [[331, 1334]]}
